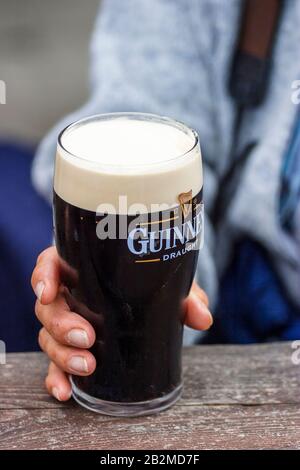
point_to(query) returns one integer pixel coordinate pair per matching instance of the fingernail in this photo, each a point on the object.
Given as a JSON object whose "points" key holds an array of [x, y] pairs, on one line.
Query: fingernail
{"points": [[78, 338], [203, 309], [55, 393], [39, 289], [78, 364]]}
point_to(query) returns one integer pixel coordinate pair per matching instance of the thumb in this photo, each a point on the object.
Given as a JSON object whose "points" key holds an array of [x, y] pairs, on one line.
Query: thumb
{"points": [[197, 315]]}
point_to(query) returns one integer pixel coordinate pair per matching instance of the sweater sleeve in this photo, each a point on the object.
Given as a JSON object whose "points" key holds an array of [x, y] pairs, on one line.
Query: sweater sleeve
{"points": [[144, 57]]}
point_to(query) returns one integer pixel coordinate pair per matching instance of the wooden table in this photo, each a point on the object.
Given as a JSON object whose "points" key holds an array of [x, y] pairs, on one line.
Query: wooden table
{"points": [[235, 397]]}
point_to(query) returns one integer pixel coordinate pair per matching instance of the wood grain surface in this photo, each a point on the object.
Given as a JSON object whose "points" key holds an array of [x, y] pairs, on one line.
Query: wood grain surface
{"points": [[235, 397]]}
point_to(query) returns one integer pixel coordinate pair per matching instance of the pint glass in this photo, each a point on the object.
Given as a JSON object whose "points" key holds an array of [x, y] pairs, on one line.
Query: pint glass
{"points": [[128, 219]]}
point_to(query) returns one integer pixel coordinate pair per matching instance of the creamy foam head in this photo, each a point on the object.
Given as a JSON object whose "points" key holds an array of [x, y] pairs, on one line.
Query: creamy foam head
{"points": [[124, 142], [148, 159]]}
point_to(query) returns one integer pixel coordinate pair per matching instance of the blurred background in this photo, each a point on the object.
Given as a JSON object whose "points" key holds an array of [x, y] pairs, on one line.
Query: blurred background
{"points": [[44, 62]]}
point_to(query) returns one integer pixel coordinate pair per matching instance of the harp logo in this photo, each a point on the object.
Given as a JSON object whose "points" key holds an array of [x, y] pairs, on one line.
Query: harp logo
{"points": [[185, 201]]}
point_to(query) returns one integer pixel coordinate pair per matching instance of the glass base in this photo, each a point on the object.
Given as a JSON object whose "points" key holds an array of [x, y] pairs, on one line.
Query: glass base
{"points": [[113, 408]]}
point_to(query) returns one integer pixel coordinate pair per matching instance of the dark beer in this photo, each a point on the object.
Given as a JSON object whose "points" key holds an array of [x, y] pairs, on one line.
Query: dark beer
{"points": [[131, 270]]}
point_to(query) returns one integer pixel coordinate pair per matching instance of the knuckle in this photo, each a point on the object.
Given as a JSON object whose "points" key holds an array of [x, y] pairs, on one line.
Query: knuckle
{"points": [[56, 326], [48, 347]]}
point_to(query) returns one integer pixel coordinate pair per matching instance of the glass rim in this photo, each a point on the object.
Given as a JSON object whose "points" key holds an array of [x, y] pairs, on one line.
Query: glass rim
{"points": [[147, 117]]}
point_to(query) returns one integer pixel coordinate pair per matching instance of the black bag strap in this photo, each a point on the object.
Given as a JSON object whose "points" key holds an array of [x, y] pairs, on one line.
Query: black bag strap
{"points": [[252, 59], [248, 82]]}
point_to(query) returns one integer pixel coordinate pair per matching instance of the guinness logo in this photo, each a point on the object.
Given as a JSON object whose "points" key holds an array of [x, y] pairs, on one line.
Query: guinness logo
{"points": [[185, 201]]}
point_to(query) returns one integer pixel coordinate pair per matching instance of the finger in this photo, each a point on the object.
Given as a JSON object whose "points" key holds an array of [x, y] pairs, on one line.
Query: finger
{"points": [[71, 360], [64, 326], [200, 293], [45, 279], [197, 315], [57, 383]]}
